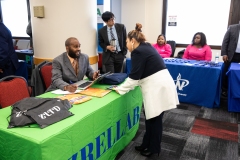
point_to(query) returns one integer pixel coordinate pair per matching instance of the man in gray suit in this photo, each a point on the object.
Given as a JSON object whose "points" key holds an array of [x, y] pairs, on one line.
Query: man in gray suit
{"points": [[230, 52], [70, 67], [112, 58]]}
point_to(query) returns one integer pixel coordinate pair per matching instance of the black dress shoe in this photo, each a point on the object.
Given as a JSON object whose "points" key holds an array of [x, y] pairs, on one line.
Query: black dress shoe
{"points": [[139, 148], [147, 153], [224, 95]]}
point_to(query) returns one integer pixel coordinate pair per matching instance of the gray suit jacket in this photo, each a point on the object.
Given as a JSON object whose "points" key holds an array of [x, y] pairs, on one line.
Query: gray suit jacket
{"points": [[63, 73], [230, 40], [104, 42]]}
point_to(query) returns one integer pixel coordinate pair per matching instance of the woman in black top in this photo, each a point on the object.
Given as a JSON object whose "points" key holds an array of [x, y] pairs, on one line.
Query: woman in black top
{"points": [[157, 86]]}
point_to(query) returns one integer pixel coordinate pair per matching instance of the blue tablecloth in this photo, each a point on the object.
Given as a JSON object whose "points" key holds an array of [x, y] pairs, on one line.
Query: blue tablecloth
{"points": [[197, 82], [234, 87], [22, 70]]}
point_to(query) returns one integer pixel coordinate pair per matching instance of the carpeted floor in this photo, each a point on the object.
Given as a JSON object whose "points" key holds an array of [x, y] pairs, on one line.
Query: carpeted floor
{"points": [[193, 133]]}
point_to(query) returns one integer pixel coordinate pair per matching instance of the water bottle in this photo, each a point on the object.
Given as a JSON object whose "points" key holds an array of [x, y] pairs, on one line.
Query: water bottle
{"points": [[113, 43], [216, 57]]}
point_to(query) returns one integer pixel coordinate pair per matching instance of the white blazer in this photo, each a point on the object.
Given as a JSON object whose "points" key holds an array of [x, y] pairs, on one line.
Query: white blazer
{"points": [[158, 91]]}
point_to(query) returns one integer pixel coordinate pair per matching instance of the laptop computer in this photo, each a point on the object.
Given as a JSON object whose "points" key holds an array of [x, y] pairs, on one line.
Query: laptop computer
{"points": [[84, 84]]}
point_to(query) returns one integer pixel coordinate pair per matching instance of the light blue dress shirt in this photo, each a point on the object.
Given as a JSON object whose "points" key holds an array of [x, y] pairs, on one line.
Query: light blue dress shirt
{"points": [[115, 36]]}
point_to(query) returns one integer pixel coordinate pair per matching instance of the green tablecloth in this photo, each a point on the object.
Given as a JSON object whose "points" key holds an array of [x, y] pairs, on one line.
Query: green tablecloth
{"points": [[100, 129]]}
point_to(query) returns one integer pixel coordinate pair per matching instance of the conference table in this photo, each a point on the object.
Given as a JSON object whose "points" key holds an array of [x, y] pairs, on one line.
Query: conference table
{"points": [[26, 55], [99, 129], [197, 82], [234, 87]]}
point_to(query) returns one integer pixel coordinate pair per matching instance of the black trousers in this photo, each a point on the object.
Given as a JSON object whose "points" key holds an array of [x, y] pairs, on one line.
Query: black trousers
{"points": [[153, 135], [10, 70], [115, 63], [236, 58]]}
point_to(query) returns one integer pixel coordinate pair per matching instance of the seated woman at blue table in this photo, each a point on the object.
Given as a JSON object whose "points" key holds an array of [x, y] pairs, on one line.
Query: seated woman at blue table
{"points": [[198, 50], [162, 47]]}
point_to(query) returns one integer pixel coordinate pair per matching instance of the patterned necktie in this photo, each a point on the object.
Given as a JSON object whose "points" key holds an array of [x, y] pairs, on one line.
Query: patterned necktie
{"points": [[113, 38], [112, 35], [75, 65]]}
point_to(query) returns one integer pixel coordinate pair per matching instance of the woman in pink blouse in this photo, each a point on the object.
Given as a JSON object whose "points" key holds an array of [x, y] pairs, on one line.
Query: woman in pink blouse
{"points": [[162, 47], [198, 50]]}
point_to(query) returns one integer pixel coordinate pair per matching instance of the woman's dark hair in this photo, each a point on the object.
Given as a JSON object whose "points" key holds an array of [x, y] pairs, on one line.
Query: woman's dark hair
{"points": [[137, 34], [203, 40], [106, 16], [163, 37]]}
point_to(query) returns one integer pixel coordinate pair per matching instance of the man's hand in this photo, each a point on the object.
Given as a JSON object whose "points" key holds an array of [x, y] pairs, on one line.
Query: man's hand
{"points": [[95, 74], [111, 48], [71, 88], [1, 71], [225, 58]]}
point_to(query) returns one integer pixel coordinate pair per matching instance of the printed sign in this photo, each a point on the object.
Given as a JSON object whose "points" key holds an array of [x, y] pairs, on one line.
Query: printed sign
{"points": [[99, 13], [172, 20]]}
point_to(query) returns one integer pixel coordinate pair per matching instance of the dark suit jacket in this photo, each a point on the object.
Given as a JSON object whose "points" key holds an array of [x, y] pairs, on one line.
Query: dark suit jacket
{"points": [[8, 56], [63, 72], [230, 40], [104, 42]]}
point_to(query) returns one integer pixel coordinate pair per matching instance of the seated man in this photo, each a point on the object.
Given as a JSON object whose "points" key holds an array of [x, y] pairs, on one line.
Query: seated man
{"points": [[70, 67]]}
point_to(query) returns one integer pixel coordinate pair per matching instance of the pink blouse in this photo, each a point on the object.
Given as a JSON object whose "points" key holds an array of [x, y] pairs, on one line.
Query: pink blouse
{"points": [[195, 53], [164, 51]]}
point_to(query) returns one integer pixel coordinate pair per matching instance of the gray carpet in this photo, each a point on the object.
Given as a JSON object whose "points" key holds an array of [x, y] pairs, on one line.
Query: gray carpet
{"points": [[193, 133]]}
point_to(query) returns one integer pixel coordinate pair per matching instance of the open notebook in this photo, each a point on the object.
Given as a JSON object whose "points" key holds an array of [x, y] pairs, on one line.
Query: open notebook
{"points": [[84, 84]]}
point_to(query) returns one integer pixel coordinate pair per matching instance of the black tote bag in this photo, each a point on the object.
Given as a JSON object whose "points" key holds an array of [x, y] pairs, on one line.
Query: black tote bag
{"points": [[32, 110]]}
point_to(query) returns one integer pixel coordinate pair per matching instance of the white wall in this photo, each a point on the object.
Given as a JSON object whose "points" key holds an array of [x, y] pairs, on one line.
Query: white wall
{"points": [[146, 12], [64, 19], [61, 22], [213, 25], [116, 9], [149, 14]]}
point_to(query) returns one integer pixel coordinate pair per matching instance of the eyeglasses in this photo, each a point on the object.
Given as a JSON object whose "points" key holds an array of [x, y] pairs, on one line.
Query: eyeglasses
{"points": [[112, 19]]}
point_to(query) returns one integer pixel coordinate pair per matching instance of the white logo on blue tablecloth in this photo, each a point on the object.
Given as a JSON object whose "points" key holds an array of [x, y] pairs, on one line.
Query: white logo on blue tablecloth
{"points": [[181, 83]]}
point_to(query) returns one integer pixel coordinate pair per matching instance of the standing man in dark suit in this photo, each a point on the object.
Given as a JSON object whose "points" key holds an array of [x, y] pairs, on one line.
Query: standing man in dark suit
{"points": [[230, 52], [112, 57], [29, 32], [70, 67], [8, 56]]}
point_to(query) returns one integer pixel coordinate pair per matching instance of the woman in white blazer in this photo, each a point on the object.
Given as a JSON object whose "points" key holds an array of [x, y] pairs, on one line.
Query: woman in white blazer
{"points": [[157, 86]]}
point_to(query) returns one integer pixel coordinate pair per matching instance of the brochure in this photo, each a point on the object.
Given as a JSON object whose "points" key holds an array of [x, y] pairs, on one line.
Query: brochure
{"points": [[96, 92], [75, 98]]}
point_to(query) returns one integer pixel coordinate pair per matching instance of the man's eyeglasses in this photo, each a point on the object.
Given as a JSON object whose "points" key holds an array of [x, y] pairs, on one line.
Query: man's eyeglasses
{"points": [[112, 19]]}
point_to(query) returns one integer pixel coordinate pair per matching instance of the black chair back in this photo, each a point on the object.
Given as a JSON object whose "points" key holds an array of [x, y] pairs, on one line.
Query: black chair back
{"points": [[173, 46]]}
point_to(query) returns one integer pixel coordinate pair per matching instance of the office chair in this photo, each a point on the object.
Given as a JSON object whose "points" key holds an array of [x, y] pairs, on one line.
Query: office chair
{"points": [[13, 89], [173, 46], [180, 54], [46, 74]]}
